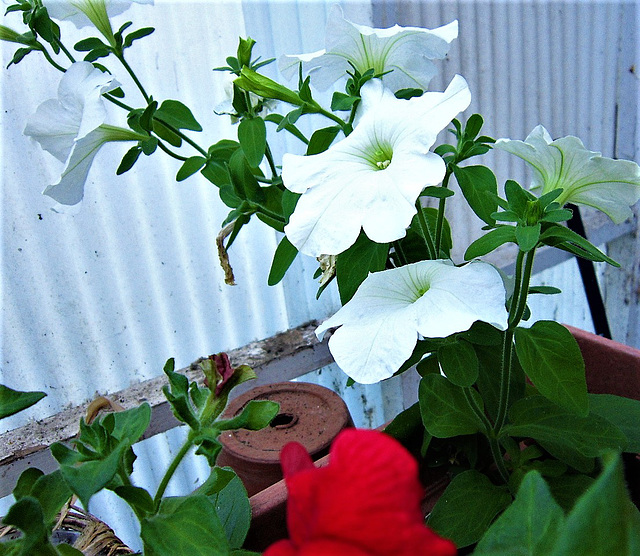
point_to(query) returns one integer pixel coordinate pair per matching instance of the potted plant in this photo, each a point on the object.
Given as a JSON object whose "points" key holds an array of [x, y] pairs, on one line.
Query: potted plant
{"points": [[503, 404]]}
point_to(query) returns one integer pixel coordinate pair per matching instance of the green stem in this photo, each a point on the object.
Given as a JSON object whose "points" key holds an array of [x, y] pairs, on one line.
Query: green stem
{"points": [[50, 59], [496, 452], [524, 267], [441, 206], [66, 52], [133, 76], [183, 137], [117, 102], [272, 164], [346, 128], [171, 470], [426, 233], [126, 481], [400, 252], [167, 150]]}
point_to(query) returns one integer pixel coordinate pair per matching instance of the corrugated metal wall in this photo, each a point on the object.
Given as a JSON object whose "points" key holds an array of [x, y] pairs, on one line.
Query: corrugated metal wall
{"points": [[99, 296]]}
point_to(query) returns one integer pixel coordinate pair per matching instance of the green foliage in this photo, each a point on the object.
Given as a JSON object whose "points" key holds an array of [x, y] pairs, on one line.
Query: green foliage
{"points": [[602, 522], [354, 265], [445, 410], [282, 259], [13, 401], [551, 358], [480, 189], [467, 507]]}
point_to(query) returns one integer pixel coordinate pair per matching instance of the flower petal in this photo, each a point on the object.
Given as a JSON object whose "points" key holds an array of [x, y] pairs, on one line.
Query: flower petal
{"points": [[78, 110], [379, 326], [460, 296], [75, 11], [404, 51], [343, 189], [586, 177], [366, 501]]}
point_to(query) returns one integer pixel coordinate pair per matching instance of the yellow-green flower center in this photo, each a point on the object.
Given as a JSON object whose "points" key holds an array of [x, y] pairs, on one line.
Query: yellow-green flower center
{"points": [[380, 156]]}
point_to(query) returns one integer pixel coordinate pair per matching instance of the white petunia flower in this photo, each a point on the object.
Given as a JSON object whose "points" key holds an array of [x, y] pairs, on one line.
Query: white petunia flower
{"points": [[372, 178], [585, 177], [69, 190], [90, 12], [77, 111], [381, 324], [71, 127], [405, 51]]}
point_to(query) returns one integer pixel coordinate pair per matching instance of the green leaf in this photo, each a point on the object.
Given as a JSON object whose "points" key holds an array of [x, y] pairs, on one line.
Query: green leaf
{"points": [[167, 134], [91, 43], [473, 126], [459, 363], [467, 507], [190, 166], [26, 515], [529, 526], [480, 189], [566, 489], [145, 31], [565, 435], [232, 505], [252, 136], [406, 94], [177, 394], [136, 497], [128, 160], [444, 408], [176, 114], [624, 413], [545, 290], [490, 241], [244, 182], [563, 238], [52, 492], [551, 358], [604, 521], [146, 119], [342, 101], [25, 482], [527, 237], [282, 259], [518, 197], [91, 477], [278, 119], [322, 139], [192, 527], [256, 415], [437, 192], [354, 264], [13, 401], [407, 425]]}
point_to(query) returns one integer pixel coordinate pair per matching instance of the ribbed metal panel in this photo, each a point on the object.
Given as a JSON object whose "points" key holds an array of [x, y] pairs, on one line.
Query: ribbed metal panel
{"points": [[97, 297]]}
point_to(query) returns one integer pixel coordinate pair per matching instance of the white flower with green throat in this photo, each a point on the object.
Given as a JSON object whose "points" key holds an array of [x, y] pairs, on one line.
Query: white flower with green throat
{"points": [[371, 179], [380, 326], [403, 54], [585, 177]]}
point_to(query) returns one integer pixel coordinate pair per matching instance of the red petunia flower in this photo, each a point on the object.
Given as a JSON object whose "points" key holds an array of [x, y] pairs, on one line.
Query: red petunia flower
{"points": [[366, 502]]}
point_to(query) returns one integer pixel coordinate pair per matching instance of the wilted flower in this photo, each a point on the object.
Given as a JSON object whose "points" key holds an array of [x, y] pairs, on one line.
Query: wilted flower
{"points": [[71, 128], [372, 178], [404, 51], [380, 325], [365, 502], [90, 12], [585, 177]]}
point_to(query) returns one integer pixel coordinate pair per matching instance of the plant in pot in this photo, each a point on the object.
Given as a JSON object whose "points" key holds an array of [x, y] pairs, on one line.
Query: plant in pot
{"points": [[503, 405]]}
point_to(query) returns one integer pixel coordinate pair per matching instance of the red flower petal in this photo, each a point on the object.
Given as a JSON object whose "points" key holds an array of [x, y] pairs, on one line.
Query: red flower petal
{"points": [[367, 499]]}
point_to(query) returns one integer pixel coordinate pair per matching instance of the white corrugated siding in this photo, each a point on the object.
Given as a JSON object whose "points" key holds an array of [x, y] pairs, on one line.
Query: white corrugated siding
{"points": [[97, 297]]}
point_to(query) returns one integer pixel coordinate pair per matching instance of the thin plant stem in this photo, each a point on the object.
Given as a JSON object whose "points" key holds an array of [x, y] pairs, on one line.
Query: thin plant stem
{"points": [[171, 470], [133, 75], [50, 59], [426, 233], [272, 164], [516, 311], [168, 151], [496, 452], [441, 206]]}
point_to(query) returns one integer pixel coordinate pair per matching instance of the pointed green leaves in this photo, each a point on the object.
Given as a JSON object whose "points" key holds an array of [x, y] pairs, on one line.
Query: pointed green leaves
{"points": [[569, 437], [189, 527], [282, 260], [529, 526], [480, 189], [445, 409], [355, 264], [177, 115], [252, 136], [491, 241], [551, 358], [459, 362], [468, 506], [13, 401]]}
